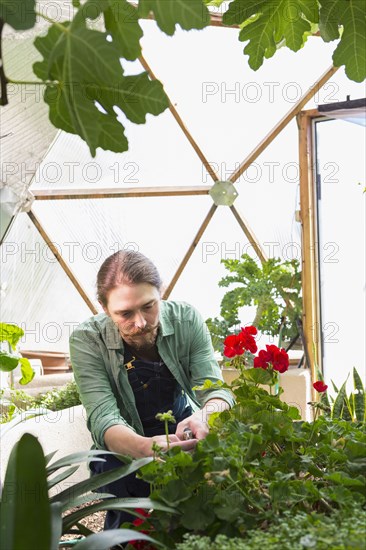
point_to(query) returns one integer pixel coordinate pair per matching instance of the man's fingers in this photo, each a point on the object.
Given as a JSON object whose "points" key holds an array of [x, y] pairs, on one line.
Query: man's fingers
{"points": [[186, 445], [173, 437]]}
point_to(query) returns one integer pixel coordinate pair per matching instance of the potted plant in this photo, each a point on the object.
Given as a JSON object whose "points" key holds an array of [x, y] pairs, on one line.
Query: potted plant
{"points": [[274, 287]]}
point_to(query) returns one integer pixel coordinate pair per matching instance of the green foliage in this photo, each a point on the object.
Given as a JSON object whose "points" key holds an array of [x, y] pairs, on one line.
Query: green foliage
{"points": [[258, 465], [11, 334], [346, 19], [269, 25], [169, 13], [24, 498], [83, 77], [274, 288], [341, 530], [8, 361], [20, 15], [59, 398], [56, 399], [82, 70], [29, 518], [353, 406]]}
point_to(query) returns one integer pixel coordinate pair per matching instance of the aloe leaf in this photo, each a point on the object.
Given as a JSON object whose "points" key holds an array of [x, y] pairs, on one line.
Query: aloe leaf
{"points": [[50, 456], [68, 496], [338, 405], [56, 524], [359, 397], [129, 504], [103, 541], [25, 511], [63, 475], [76, 458]]}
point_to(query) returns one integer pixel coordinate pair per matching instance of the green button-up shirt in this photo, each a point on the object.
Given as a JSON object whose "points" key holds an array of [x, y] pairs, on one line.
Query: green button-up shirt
{"points": [[97, 357]]}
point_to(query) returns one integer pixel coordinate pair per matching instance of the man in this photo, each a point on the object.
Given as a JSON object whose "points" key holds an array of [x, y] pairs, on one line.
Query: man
{"points": [[141, 357]]}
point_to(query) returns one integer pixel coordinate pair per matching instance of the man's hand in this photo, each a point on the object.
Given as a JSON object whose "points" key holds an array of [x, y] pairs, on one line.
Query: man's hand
{"points": [[197, 422], [198, 428], [174, 441]]}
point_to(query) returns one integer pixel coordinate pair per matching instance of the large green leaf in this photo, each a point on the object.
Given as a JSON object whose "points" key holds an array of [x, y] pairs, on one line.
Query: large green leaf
{"points": [[27, 371], [56, 523], [76, 458], [85, 83], [63, 475], [339, 403], [68, 496], [268, 25], [121, 21], [103, 541], [8, 362], [359, 397], [25, 510], [115, 504], [11, 334], [351, 50], [191, 14], [19, 14]]}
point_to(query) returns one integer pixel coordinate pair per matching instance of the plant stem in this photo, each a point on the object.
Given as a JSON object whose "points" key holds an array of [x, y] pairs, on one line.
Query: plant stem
{"points": [[312, 430], [244, 494], [56, 23], [27, 82], [167, 433]]}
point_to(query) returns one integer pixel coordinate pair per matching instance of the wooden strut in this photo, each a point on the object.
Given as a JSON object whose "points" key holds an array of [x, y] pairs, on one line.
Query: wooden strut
{"points": [[282, 123], [209, 169], [309, 271], [62, 262], [250, 235], [189, 253], [183, 127], [114, 193]]}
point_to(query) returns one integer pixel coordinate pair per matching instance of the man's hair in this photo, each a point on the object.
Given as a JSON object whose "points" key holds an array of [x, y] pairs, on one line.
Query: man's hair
{"points": [[126, 267]]}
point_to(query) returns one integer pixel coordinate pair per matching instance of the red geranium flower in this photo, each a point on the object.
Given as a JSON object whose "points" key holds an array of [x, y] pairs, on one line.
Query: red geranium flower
{"points": [[280, 360], [320, 386], [141, 544], [246, 336], [262, 360], [276, 356], [233, 345]]}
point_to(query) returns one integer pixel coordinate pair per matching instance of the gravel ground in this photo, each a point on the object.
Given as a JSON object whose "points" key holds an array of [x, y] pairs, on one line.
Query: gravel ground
{"points": [[94, 522]]}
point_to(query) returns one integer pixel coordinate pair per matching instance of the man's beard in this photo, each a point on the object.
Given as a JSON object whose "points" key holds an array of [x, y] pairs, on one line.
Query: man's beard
{"points": [[144, 338]]}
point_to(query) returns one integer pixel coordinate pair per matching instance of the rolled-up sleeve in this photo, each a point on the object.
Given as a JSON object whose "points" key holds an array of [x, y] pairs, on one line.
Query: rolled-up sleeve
{"points": [[202, 363], [94, 386]]}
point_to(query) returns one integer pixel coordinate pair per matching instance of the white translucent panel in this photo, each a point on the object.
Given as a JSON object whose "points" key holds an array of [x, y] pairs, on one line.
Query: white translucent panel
{"points": [[226, 105], [342, 247], [87, 231], [35, 292], [269, 197], [198, 283], [159, 155]]}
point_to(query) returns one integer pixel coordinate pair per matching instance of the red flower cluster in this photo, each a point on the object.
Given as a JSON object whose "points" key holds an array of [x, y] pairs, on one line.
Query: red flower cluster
{"points": [[320, 386], [236, 344], [275, 356], [141, 544]]}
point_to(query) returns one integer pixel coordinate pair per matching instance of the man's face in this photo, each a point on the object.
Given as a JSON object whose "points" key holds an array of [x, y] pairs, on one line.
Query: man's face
{"points": [[135, 311]]}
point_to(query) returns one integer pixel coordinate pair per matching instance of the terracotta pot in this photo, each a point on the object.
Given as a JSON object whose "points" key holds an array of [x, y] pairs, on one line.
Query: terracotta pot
{"points": [[52, 361]]}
